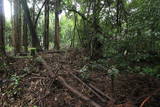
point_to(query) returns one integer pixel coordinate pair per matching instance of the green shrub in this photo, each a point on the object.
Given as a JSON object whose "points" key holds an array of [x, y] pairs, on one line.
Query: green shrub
{"points": [[152, 71]]}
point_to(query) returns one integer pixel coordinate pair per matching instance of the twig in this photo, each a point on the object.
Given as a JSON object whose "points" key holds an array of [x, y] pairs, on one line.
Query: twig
{"points": [[35, 23], [41, 98], [144, 101], [148, 98]]}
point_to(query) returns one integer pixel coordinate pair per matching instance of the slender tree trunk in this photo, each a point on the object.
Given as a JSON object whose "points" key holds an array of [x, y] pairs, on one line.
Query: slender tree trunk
{"points": [[2, 20], [57, 27], [74, 35], [17, 27], [25, 34], [12, 23], [35, 40], [46, 26], [33, 11]]}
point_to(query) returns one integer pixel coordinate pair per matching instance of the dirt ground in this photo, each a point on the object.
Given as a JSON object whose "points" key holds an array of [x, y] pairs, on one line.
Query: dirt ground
{"points": [[27, 84]]}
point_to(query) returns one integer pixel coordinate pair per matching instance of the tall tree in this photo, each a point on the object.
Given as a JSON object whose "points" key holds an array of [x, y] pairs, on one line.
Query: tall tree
{"points": [[35, 40], [12, 22], [2, 44], [17, 26], [33, 10], [25, 34], [46, 26], [57, 26], [74, 35]]}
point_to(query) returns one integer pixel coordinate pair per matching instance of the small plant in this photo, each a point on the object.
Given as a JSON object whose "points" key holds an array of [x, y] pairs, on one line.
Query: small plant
{"points": [[9, 48], [15, 79], [26, 70], [84, 73], [14, 89], [3, 66], [39, 59]]}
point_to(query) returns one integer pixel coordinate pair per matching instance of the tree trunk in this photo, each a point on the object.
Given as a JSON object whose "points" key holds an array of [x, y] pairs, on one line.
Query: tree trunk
{"points": [[74, 35], [17, 27], [33, 11], [2, 20], [57, 27], [25, 34], [12, 23], [46, 26], [35, 40]]}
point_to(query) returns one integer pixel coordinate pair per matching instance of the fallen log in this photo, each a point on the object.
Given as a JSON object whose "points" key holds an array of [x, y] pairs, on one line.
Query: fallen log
{"points": [[56, 51], [65, 84]]}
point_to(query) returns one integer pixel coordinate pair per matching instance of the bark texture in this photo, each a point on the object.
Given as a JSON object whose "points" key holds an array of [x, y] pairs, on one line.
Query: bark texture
{"points": [[57, 26], [46, 26], [17, 26], [35, 40], [2, 22]]}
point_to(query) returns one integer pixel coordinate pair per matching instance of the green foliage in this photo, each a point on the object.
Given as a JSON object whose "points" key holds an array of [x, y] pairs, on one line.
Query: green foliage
{"points": [[66, 31], [39, 59], [33, 51], [35, 106], [152, 71], [113, 71], [15, 79], [14, 87], [98, 66], [9, 48], [3, 66], [85, 73]]}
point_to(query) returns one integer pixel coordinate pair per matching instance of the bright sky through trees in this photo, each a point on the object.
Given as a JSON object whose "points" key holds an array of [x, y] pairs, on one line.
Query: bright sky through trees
{"points": [[7, 9]]}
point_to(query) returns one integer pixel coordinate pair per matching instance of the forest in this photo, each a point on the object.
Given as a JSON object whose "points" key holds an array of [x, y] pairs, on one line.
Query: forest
{"points": [[80, 53]]}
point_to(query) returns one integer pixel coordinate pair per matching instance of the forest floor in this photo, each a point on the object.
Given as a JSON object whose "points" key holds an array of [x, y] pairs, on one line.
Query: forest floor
{"points": [[27, 83]]}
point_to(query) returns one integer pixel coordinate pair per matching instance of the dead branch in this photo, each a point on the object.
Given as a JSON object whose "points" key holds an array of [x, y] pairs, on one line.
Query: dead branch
{"points": [[102, 99], [61, 79], [144, 101], [99, 91], [148, 98]]}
